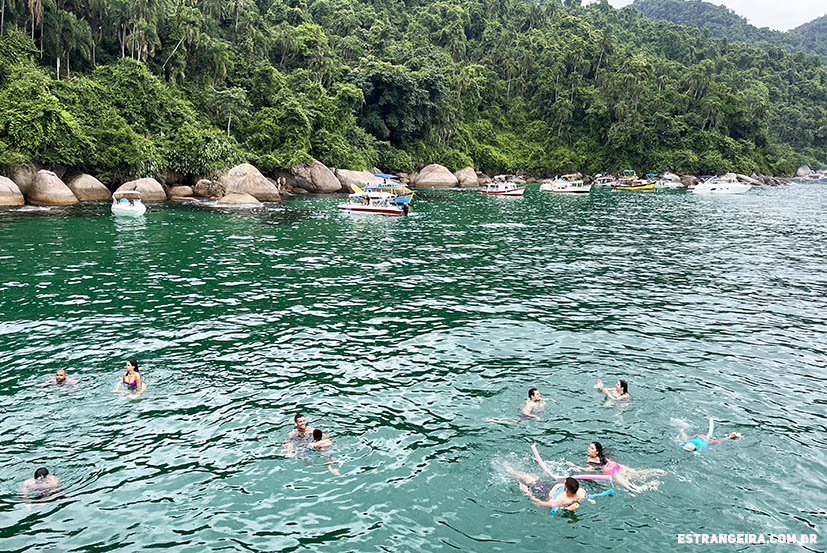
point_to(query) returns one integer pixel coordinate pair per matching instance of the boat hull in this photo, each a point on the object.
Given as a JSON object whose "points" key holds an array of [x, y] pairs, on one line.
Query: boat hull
{"points": [[128, 211], [736, 188], [638, 187], [371, 210], [512, 192]]}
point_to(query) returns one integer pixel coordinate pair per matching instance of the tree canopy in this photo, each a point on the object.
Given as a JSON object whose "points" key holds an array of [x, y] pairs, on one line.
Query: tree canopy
{"points": [[137, 88]]}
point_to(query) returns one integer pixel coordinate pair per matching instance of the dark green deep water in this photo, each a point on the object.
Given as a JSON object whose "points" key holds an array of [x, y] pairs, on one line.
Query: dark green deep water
{"points": [[400, 337]]}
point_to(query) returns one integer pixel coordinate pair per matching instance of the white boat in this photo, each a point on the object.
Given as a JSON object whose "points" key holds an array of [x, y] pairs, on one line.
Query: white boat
{"points": [[603, 180], [374, 203], [668, 184], [127, 204], [720, 185], [502, 188], [567, 184]]}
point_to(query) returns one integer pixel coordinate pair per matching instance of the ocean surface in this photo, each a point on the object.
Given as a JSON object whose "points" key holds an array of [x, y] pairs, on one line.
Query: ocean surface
{"points": [[413, 342]]}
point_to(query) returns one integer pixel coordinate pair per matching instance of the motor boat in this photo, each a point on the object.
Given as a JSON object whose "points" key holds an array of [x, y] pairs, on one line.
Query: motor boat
{"points": [[403, 194], [603, 180], [668, 184], [374, 203], [127, 203], [567, 184], [503, 188], [721, 185]]}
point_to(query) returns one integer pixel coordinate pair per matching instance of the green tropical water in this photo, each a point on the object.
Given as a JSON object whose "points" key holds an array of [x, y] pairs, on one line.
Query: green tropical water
{"points": [[400, 337]]}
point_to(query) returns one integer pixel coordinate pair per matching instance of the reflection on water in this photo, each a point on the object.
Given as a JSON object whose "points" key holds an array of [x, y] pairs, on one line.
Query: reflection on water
{"points": [[400, 337]]}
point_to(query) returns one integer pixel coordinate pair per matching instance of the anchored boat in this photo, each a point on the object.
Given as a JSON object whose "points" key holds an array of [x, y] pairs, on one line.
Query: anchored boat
{"points": [[567, 184], [127, 204], [503, 188], [373, 203], [721, 185], [402, 194]]}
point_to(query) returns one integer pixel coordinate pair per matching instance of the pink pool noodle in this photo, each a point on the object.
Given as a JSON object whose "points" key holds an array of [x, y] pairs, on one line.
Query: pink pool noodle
{"points": [[577, 476]]}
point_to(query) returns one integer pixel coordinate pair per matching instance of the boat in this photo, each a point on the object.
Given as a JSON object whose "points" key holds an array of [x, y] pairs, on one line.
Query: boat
{"points": [[816, 176], [721, 185], [374, 203], [567, 184], [503, 188], [630, 181], [603, 180], [127, 203], [666, 183], [402, 194]]}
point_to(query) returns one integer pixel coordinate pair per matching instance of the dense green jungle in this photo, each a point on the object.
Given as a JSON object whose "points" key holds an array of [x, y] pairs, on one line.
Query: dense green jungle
{"points": [[125, 89]]}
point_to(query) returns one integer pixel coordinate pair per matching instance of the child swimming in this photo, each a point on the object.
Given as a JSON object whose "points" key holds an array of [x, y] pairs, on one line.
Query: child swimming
{"points": [[324, 446]]}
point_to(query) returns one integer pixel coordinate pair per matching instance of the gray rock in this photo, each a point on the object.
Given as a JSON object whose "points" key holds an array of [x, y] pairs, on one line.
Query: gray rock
{"points": [[803, 171], [246, 179], [467, 177], [48, 189], [671, 176], [181, 192], [23, 177], [435, 176], [748, 180], [87, 188], [238, 200], [206, 188], [315, 178], [348, 178], [689, 180], [10, 194], [150, 189]]}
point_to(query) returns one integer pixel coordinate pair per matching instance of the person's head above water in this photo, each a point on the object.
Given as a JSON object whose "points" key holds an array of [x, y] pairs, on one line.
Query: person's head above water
{"points": [[622, 387], [133, 364], [317, 434], [301, 422], [534, 394], [42, 472], [60, 376], [595, 451], [572, 486]]}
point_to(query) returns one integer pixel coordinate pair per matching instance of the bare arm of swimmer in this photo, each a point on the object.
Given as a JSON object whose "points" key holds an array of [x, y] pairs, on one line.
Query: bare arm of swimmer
{"points": [[610, 393], [732, 436], [526, 410], [578, 467]]}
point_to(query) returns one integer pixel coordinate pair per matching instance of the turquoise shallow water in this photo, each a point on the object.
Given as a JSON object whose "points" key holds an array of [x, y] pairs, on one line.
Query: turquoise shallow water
{"points": [[401, 337]]}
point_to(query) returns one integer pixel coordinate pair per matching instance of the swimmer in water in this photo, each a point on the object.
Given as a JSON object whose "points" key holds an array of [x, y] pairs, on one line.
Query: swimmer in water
{"points": [[545, 493], [528, 410], [620, 391], [324, 446], [61, 379], [299, 439], [42, 485], [700, 442], [596, 459], [131, 380]]}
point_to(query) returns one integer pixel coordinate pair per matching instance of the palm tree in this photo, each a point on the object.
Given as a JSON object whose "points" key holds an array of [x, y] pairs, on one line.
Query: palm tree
{"points": [[36, 9], [3, 14]]}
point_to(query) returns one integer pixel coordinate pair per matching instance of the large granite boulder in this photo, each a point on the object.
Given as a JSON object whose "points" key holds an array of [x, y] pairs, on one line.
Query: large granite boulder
{"points": [[467, 177], [246, 179], [315, 178], [87, 188], [180, 192], [671, 176], [206, 188], [435, 176], [360, 178], [10, 193], [23, 177], [748, 180], [482, 178], [150, 189], [689, 180], [48, 189], [236, 199], [803, 171]]}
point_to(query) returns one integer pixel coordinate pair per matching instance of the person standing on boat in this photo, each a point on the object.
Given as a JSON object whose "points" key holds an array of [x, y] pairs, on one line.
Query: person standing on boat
{"points": [[299, 439]]}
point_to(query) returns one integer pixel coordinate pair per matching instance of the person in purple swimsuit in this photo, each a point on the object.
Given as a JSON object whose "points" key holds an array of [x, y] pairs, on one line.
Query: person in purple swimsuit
{"points": [[131, 380]]}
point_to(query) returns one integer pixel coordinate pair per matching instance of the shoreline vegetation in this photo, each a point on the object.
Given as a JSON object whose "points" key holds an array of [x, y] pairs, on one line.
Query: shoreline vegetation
{"points": [[263, 98]]}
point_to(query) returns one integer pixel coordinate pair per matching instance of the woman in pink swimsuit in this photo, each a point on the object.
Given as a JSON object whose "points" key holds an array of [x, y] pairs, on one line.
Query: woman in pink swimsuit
{"points": [[596, 459]]}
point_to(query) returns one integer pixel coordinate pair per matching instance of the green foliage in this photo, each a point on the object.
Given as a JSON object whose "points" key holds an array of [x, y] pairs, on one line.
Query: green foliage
{"points": [[537, 87]]}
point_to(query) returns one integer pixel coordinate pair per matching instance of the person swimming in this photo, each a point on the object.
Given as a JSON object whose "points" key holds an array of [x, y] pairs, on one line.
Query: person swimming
{"points": [[298, 439], [620, 391], [42, 485], [596, 459], [324, 446], [131, 379], [61, 379], [528, 409], [700, 442], [545, 493]]}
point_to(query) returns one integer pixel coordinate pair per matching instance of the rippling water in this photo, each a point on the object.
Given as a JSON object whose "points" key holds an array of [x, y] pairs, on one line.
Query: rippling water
{"points": [[401, 337]]}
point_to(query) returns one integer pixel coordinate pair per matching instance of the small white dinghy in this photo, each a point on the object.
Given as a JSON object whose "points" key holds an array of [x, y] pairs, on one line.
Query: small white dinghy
{"points": [[127, 204]]}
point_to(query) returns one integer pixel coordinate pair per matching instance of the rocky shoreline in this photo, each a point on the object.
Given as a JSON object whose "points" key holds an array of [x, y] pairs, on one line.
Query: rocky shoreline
{"points": [[245, 185]]}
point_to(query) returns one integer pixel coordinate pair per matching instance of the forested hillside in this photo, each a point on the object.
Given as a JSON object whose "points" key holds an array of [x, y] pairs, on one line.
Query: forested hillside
{"points": [[720, 21], [131, 88]]}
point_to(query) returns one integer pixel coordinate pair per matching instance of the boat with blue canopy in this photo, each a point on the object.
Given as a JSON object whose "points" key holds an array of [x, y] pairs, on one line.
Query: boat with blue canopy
{"points": [[401, 193]]}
